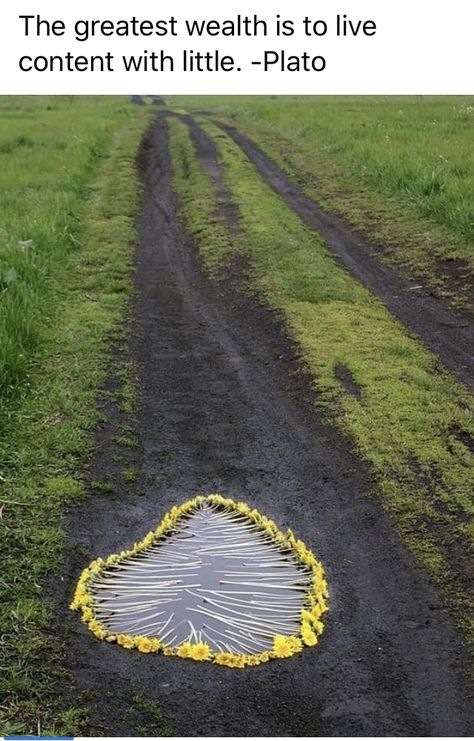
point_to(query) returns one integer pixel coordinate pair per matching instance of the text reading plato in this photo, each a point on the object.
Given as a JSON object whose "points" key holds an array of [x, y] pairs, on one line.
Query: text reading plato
{"points": [[164, 32]]}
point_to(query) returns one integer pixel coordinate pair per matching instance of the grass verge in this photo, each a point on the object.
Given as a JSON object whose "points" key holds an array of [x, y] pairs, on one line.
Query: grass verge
{"points": [[406, 415], [68, 172]]}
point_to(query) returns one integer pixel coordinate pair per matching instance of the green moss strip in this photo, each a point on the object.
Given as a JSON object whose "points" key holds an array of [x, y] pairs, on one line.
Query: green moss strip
{"points": [[195, 185]]}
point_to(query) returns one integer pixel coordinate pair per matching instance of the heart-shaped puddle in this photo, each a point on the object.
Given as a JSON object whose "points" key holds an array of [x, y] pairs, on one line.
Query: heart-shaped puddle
{"points": [[215, 580]]}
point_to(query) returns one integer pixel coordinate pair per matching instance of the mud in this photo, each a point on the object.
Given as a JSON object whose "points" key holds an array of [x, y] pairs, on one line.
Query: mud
{"points": [[227, 405], [345, 377], [447, 333]]}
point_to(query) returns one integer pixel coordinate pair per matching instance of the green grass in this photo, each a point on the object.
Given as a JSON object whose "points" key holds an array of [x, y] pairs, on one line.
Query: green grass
{"points": [[46, 158], [407, 420], [126, 441], [70, 194], [153, 723], [196, 185], [400, 169], [130, 474]]}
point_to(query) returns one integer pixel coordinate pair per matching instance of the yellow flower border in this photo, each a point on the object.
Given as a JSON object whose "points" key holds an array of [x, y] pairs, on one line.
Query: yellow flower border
{"points": [[311, 626]]}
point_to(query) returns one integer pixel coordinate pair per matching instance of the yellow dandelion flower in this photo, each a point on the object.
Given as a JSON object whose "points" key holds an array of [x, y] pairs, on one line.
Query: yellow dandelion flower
{"points": [[300, 549], [144, 645], [318, 627], [99, 633], [235, 661], [148, 539], [264, 656], [223, 658], [252, 660], [80, 590], [242, 507], [281, 648], [184, 651], [125, 641], [87, 614], [238, 662], [322, 605], [168, 651], [295, 644], [200, 652], [308, 636], [96, 566]]}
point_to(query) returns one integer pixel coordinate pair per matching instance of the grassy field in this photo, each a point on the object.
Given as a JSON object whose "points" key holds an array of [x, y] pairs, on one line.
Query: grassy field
{"points": [[399, 169], [69, 196], [407, 416]]}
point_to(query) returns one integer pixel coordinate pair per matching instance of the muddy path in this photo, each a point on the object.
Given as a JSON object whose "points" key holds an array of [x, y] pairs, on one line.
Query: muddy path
{"points": [[447, 333], [226, 405]]}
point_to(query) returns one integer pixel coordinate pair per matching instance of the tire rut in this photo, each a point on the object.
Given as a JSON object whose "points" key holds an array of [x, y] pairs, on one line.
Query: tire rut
{"points": [[223, 394]]}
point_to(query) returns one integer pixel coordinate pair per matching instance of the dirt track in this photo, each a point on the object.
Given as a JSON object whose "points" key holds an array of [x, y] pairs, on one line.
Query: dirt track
{"points": [[226, 406]]}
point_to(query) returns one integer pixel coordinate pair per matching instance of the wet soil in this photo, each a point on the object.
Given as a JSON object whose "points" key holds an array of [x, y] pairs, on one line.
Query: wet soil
{"points": [[344, 375], [448, 333], [226, 405]]}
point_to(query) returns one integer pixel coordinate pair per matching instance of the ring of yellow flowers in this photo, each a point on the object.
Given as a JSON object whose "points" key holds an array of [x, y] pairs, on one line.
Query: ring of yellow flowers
{"points": [[311, 625]]}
